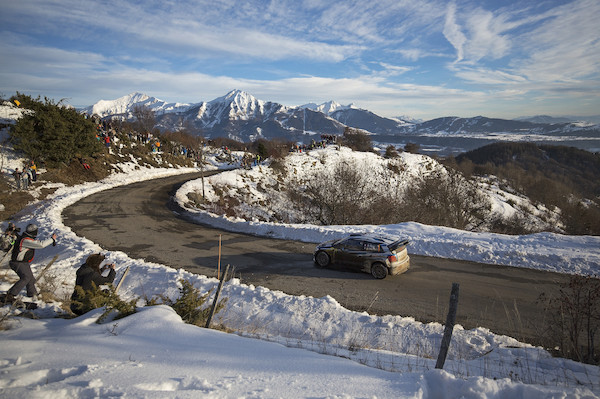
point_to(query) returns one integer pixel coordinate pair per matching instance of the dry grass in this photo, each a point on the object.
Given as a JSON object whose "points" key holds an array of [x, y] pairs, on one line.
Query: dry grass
{"points": [[74, 173]]}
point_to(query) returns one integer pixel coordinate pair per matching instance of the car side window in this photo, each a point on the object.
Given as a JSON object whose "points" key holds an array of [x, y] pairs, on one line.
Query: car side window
{"points": [[372, 247], [353, 245]]}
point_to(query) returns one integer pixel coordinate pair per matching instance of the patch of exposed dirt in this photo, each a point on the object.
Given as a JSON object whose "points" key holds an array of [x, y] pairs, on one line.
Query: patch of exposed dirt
{"points": [[13, 200], [76, 172]]}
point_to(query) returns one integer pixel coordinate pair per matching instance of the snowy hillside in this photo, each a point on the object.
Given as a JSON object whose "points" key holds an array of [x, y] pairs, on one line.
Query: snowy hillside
{"points": [[261, 192], [9, 113]]}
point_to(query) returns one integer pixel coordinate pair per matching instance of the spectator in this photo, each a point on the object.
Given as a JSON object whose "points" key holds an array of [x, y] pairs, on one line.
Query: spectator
{"points": [[84, 163], [22, 255], [7, 241], [25, 178], [17, 176], [33, 169], [89, 278]]}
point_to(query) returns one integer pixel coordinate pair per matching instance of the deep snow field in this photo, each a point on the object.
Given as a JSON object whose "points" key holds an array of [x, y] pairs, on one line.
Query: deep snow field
{"points": [[285, 346]]}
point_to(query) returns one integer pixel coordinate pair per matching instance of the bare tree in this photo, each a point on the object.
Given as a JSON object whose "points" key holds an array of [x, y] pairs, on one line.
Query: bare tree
{"points": [[144, 118], [345, 194], [575, 318], [446, 200]]}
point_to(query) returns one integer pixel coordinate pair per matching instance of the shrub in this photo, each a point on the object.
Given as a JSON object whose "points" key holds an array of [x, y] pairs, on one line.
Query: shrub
{"points": [[53, 133], [412, 148], [575, 318], [97, 298], [276, 149], [190, 304], [581, 217], [391, 152], [342, 195], [445, 200], [357, 140]]}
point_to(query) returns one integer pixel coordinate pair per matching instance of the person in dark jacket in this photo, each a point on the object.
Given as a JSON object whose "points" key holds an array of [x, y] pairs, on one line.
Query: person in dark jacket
{"points": [[90, 277], [21, 258]]}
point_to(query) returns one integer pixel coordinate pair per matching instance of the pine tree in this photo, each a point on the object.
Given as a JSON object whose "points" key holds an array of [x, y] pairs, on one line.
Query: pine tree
{"points": [[53, 133]]}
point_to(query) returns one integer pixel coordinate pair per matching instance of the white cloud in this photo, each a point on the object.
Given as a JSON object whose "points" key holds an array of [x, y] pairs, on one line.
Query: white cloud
{"points": [[393, 70], [565, 48], [486, 76], [485, 36], [453, 33]]}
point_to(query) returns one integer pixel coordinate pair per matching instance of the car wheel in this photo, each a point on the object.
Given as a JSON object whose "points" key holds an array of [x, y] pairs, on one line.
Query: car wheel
{"points": [[322, 259], [379, 271]]}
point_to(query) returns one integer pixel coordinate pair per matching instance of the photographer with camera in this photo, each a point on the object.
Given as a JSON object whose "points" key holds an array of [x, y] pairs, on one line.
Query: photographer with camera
{"points": [[22, 255], [89, 278], [7, 241]]}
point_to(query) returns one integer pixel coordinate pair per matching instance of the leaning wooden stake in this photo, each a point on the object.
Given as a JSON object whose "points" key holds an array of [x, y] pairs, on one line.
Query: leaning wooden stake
{"points": [[38, 278], [216, 300], [450, 320], [122, 279]]}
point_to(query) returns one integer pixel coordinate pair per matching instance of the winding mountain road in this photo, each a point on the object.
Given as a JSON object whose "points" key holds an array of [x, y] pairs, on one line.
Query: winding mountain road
{"points": [[141, 220]]}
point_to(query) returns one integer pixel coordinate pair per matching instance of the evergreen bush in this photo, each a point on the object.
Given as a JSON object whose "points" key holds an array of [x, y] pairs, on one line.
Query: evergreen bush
{"points": [[190, 304], [53, 133], [97, 298]]}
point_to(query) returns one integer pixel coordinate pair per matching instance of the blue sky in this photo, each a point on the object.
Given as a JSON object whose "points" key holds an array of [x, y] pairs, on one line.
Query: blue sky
{"points": [[425, 59]]}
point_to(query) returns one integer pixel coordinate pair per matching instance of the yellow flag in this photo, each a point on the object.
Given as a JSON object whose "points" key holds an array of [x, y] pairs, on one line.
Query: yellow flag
{"points": [[18, 103]]}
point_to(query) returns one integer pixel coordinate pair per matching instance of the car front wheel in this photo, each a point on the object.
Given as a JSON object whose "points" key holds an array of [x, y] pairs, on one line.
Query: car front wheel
{"points": [[379, 271], [322, 259]]}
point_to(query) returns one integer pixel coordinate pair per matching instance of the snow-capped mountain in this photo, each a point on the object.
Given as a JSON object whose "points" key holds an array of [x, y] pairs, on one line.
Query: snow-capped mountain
{"points": [[124, 105], [237, 115], [480, 124], [328, 107], [580, 120], [240, 116]]}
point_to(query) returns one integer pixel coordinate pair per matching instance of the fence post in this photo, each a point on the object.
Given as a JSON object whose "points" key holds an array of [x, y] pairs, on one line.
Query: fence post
{"points": [[215, 301], [450, 319], [219, 260]]}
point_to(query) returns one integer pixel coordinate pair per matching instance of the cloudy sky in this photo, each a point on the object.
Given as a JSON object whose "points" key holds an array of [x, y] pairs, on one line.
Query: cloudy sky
{"points": [[425, 59]]}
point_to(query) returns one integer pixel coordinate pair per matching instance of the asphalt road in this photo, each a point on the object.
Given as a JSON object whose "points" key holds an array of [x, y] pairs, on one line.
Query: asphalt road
{"points": [[141, 220]]}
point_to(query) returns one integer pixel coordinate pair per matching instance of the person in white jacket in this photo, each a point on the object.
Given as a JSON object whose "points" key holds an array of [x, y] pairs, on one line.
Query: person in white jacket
{"points": [[22, 255]]}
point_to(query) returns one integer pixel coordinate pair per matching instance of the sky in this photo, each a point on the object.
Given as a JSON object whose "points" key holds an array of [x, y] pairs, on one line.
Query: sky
{"points": [[425, 59]]}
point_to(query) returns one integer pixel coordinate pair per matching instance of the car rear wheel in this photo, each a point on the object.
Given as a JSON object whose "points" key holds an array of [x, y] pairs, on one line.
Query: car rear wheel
{"points": [[322, 259], [379, 271]]}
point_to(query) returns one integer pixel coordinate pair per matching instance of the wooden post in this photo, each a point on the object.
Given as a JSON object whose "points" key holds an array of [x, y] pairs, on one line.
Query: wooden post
{"points": [[450, 319], [202, 166], [122, 279], [46, 268], [219, 259], [216, 300]]}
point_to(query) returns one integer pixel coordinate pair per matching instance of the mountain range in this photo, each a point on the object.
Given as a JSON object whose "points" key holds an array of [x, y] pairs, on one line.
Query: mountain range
{"points": [[240, 116]]}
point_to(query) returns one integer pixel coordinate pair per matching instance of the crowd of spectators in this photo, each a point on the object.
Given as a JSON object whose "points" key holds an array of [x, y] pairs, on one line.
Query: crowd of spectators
{"points": [[326, 139], [25, 176]]}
